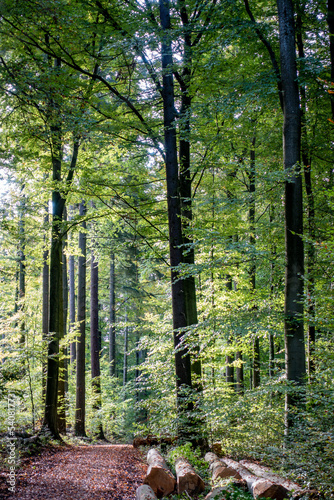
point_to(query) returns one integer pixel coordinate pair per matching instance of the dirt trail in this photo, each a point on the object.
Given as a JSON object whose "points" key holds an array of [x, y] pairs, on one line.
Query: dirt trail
{"points": [[92, 472]]}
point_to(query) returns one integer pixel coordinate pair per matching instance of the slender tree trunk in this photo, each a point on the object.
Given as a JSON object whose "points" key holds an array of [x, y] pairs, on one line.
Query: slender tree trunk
{"points": [[94, 338], [112, 318], [182, 357], [71, 273], [239, 386], [22, 266], [294, 328], [62, 383], [80, 408], [306, 160], [252, 271], [272, 291], [229, 369], [125, 356], [45, 299], [330, 22]]}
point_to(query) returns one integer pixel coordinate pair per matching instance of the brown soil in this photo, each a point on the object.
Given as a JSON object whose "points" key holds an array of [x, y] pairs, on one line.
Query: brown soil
{"points": [[91, 472]]}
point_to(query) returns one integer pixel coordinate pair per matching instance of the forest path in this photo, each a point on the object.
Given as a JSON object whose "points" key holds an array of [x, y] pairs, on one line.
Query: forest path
{"points": [[91, 472]]}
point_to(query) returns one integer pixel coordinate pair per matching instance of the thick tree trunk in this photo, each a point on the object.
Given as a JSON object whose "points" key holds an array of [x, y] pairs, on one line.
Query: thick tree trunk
{"points": [[294, 328], [112, 318], [56, 316], [56, 309], [182, 357], [185, 190], [81, 319]]}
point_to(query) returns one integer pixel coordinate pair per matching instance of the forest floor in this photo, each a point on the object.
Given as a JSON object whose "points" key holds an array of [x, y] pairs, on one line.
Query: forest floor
{"points": [[89, 472]]}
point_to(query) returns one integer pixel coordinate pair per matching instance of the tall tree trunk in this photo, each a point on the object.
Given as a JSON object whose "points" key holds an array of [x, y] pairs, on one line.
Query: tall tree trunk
{"points": [[294, 328], [56, 318], [94, 338], [71, 273], [182, 357], [125, 356], [112, 318], [45, 299], [81, 319], [306, 160], [62, 383], [252, 271], [185, 189], [22, 266], [272, 292], [56, 309], [229, 369], [330, 22]]}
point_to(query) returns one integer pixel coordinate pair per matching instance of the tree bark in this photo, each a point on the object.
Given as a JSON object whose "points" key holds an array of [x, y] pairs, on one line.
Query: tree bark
{"points": [[80, 408], [45, 299], [62, 383], [112, 318], [71, 273], [330, 22], [158, 476], [294, 249], [56, 317], [187, 479], [125, 354], [258, 486], [22, 265], [182, 357], [311, 226], [94, 338]]}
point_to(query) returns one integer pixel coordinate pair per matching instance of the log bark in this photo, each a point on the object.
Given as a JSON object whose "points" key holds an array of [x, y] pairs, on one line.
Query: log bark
{"points": [[219, 468], [210, 457], [158, 476], [145, 492], [266, 473], [258, 486], [187, 479]]}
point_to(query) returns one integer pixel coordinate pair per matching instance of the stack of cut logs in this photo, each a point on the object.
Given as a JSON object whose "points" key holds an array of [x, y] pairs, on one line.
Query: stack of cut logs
{"points": [[259, 480]]}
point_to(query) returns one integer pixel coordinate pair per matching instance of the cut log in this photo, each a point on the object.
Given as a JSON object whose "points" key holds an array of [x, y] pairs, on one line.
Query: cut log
{"points": [[220, 471], [187, 479], [158, 476], [259, 487], [265, 472], [145, 492], [211, 457], [219, 468]]}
